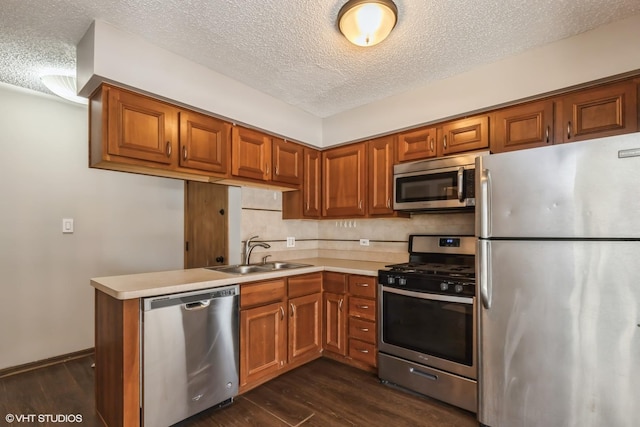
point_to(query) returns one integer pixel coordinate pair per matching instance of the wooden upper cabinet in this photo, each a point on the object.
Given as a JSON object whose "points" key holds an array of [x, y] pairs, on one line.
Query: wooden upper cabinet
{"points": [[140, 127], [250, 154], [464, 135], [204, 143], [344, 181], [287, 161], [417, 144], [381, 153], [523, 126], [602, 111], [312, 184]]}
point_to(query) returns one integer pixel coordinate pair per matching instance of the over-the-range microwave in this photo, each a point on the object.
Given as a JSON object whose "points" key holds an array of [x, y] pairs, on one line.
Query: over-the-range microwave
{"points": [[436, 184]]}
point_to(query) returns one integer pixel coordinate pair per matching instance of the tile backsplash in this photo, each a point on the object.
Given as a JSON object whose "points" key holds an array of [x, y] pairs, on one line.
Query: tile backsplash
{"points": [[262, 215]]}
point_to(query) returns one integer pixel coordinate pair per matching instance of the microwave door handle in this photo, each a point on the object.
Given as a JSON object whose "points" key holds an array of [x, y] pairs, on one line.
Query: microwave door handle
{"points": [[460, 184]]}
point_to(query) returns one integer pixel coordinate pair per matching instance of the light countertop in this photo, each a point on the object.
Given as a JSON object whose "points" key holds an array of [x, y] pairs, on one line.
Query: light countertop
{"points": [[168, 282]]}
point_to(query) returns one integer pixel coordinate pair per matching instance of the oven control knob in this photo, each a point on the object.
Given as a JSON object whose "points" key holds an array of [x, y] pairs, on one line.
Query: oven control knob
{"points": [[458, 288], [444, 286], [391, 280], [402, 281]]}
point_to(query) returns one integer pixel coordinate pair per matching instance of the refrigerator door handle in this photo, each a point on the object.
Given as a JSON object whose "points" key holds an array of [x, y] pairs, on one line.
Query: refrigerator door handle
{"points": [[484, 268], [484, 204]]}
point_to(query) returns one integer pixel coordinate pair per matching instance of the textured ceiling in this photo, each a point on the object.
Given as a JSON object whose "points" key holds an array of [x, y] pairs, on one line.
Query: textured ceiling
{"points": [[291, 49]]}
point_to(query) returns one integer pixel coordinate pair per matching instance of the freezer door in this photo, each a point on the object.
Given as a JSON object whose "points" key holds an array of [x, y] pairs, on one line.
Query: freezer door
{"points": [[560, 343], [583, 189]]}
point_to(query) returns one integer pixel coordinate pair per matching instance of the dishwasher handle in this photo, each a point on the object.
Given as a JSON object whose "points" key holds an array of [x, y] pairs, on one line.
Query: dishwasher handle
{"points": [[199, 305]]}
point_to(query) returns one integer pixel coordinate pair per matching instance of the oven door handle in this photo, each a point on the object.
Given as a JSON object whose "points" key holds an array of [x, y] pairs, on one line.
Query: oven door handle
{"points": [[429, 296]]}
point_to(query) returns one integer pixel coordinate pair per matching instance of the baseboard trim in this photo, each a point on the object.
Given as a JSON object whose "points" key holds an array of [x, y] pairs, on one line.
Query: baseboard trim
{"points": [[14, 370]]}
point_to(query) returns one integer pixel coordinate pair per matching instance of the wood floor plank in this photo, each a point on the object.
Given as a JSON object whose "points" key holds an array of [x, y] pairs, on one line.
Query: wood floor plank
{"points": [[319, 394]]}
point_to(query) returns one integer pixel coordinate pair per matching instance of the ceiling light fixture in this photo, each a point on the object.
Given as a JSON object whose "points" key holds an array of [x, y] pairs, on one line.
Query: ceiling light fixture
{"points": [[367, 22], [64, 87]]}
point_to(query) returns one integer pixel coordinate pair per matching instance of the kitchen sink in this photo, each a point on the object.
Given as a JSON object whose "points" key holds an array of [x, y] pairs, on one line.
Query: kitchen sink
{"points": [[257, 268]]}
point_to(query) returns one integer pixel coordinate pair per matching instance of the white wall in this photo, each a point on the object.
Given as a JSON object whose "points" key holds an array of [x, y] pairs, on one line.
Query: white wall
{"points": [[124, 223]]}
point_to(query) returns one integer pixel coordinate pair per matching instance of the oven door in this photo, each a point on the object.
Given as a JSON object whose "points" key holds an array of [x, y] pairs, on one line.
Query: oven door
{"points": [[430, 329]]}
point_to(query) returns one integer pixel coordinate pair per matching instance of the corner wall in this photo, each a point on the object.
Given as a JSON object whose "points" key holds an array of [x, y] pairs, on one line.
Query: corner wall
{"points": [[124, 223]]}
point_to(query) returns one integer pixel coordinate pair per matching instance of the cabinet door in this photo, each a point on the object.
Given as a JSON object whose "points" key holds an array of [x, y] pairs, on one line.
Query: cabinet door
{"points": [[464, 135], [334, 336], [204, 143], [602, 111], [344, 181], [381, 160], [250, 154], [523, 126], [263, 342], [312, 184], [305, 325], [417, 144], [141, 128], [287, 162]]}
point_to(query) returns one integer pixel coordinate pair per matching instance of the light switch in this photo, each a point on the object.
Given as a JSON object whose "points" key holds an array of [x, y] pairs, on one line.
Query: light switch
{"points": [[67, 225]]}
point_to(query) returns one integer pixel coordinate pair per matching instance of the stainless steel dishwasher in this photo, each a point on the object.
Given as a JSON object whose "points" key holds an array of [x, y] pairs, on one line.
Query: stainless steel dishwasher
{"points": [[189, 353]]}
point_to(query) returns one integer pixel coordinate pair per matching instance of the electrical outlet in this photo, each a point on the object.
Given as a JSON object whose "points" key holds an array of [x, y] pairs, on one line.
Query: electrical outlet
{"points": [[364, 242], [291, 242]]}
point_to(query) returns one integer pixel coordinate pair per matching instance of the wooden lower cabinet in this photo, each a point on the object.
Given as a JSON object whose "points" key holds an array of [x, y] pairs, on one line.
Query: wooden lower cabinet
{"points": [[334, 319], [350, 319], [305, 325], [280, 327], [263, 342]]}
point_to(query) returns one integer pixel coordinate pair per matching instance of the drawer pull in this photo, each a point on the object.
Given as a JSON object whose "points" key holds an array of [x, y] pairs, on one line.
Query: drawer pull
{"points": [[364, 307], [362, 350], [363, 329], [364, 285], [423, 374], [340, 304]]}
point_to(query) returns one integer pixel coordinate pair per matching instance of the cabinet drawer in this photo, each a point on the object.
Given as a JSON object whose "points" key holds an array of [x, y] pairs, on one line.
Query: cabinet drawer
{"points": [[362, 351], [363, 330], [362, 307], [362, 286], [305, 284], [335, 283], [261, 293]]}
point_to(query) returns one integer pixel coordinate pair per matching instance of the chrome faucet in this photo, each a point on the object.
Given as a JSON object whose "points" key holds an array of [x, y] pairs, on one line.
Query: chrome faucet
{"points": [[248, 246]]}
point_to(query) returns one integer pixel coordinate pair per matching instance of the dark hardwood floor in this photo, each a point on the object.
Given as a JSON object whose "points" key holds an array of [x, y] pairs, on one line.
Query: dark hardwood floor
{"points": [[321, 393]]}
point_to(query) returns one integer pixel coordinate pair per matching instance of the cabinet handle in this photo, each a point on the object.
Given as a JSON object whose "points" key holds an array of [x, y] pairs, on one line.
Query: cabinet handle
{"points": [[307, 206], [364, 307], [364, 285], [388, 203], [362, 350], [431, 145], [445, 142], [547, 134], [184, 152], [276, 170], [363, 329], [281, 313], [168, 149], [569, 130], [360, 204], [340, 304], [268, 168], [293, 309]]}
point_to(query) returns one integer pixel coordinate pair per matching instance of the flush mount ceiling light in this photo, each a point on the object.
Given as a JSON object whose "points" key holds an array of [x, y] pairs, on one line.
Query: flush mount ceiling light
{"points": [[367, 22], [63, 86]]}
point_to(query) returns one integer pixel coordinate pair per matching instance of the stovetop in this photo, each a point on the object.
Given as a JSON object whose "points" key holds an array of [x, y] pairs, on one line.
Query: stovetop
{"points": [[452, 270], [437, 264]]}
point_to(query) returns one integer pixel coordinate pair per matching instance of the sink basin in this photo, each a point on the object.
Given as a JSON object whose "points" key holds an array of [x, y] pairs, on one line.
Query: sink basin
{"points": [[257, 268], [282, 265], [240, 269]]}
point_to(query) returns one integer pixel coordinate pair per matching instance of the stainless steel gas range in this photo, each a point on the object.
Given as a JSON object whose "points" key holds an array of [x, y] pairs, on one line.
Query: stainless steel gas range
{"points": [[427, 312]]}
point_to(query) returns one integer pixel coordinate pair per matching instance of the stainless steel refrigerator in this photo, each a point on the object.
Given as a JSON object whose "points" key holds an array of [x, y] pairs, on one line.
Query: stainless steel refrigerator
{"points": [[559, 285]]}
